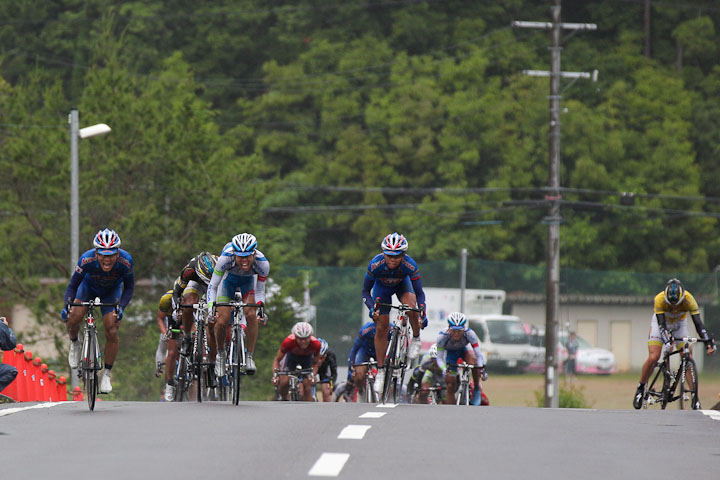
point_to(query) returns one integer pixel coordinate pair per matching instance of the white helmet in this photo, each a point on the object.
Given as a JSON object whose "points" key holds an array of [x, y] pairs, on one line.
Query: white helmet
{"points": [[456, 321], [394, 244], [433, 350], [302, 330], [244, 244], [106, 242]]}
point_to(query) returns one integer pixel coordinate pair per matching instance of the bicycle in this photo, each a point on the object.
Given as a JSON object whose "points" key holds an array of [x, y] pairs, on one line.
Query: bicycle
{"points": [[91, 359], [295, 378], [194, 366], [236, 350], [462, 395], [684, 379], [396, 354], [434, 394], [369, 395]]}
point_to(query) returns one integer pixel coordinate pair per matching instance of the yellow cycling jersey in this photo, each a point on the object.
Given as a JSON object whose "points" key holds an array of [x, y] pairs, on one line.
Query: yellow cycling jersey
{"points": [[166, 303], [675, 313]]}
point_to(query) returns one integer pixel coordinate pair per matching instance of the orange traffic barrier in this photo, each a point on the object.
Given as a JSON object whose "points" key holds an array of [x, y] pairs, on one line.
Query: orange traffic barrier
{"points": [[27, 377], [61, 389], [37, 371], [44, 380], [77, 394], [15, 358], [51, 386]]}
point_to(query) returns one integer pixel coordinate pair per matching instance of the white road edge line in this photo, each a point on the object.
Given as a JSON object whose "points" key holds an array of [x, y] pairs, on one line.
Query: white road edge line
{"points": [[329, 465], [372, 415], [714, 414], [353, 432], [9, 411]]}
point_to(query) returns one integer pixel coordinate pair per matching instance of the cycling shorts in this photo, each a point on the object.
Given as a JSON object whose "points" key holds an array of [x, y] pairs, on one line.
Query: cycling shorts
{"points": [[452, 358], [231, 283], [87, 291], [324, 374], [385, 293], [197, 288], [292, 361], [677, 329], [363, 355]]}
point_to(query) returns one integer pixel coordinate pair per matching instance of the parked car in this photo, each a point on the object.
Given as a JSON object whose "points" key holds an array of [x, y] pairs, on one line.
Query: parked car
{"points": [[589, 360]]}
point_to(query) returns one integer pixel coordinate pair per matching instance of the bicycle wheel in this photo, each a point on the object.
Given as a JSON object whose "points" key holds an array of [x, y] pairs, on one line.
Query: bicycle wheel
{"points": [[652, 395], [460, 393], [90, 369], [390, 365], [181, 380], [689, 385], [667, 391], [238, 364], [198, 359]]}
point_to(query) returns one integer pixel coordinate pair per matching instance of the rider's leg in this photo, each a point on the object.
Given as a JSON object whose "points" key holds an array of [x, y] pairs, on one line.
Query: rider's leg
{"points": [[382, 327], [451, 384], [358, 377], [112, 339], [653, 357]]}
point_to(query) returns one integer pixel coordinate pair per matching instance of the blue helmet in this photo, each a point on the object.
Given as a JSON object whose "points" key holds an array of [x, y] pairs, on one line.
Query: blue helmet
{"points": [[456, 321]]}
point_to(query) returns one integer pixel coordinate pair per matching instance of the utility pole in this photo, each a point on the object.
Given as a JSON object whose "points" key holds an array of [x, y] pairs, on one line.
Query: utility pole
{"points": [[552, 303]]}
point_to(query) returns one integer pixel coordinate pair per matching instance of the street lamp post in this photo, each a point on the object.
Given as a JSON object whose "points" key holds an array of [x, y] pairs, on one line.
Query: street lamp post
{"points": [[76, 133]]}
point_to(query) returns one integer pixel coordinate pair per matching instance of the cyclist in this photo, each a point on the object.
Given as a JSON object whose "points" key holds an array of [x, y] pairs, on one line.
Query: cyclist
{"points": [[241, 266], [669, 321], [189, 288], [105, 271], [452, 345], [167, 322], [298, 348], [427, 374], [327, 372], [362, 350], [393, 272]]}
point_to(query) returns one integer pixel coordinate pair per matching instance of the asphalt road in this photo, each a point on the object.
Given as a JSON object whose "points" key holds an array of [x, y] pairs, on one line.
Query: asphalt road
{"points": [[275, 440]]}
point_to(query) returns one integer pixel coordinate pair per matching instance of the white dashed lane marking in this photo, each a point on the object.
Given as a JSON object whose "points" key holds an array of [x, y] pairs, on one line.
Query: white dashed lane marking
{"points": [[372, 415], [386, 405], [714, 414], [329, 465], [353, 432]]}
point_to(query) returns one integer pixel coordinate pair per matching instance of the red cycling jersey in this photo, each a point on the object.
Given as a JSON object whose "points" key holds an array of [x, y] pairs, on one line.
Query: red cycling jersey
{"points": [[289, 345]]}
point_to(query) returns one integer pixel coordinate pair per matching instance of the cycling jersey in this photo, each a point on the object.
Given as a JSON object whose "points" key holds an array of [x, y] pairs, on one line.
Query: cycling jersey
{"points": [[189, 279], [364, 346], [289, 345], [168, 306], [227, 270], [676, 313], [450, 350], [90, 281], [328, 368], [384, 282]]}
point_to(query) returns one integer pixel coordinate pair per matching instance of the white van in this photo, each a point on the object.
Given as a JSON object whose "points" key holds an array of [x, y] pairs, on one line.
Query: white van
{"points": [[503, 340]]}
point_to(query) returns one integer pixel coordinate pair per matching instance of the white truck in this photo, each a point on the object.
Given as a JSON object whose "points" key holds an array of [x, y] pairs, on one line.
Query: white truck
{"points": [[504, 340]]}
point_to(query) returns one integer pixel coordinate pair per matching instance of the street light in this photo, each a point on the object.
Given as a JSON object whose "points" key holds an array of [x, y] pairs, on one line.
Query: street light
{"points": [[75, 133]]}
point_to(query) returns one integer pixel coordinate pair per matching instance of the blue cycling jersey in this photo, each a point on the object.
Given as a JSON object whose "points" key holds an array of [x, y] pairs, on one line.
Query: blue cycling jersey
{"points": [[88, 270], [365, 342], [380, 275]]}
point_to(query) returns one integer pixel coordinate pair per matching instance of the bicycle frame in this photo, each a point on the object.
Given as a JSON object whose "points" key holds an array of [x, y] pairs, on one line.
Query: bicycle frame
{"points": [[91, 358], [396, 354], [370, 395], [295, 378], [674, 380], [236, 350], [195, 364]]}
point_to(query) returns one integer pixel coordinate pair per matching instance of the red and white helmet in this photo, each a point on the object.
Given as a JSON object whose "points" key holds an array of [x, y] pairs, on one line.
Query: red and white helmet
{"points": [[394, 244], [302, 330], [106, 242]]}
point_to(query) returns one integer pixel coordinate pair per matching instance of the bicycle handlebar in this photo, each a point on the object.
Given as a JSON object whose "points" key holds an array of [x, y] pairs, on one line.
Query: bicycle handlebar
{"points": [[402, 308], [295, 373], [238, 305], [196, 306], [92, 303]]}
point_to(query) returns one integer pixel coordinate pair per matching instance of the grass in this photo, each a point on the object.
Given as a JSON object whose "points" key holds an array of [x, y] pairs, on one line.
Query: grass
{"points": [[603, 392]]}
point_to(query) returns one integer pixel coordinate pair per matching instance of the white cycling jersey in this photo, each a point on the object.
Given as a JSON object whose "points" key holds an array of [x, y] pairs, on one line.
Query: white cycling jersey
{"points": [[228, 267]]}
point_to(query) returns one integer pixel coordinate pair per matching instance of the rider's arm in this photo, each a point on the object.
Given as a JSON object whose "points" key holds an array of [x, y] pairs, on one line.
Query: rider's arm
{"points": [[278, 358], [128, 289], [161, 322], [217, 277], [441, 356], [332, 360], [419, 293], [75, 280], [367, 292], [474, 344]]}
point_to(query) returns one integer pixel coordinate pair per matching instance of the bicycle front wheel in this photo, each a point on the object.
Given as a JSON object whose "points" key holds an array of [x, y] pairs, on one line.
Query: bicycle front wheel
{"points": [[390, 365], [90, 369], [689, 386], [181, 378], [198, 359]]}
